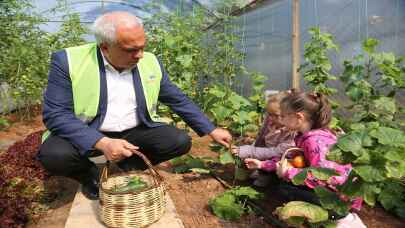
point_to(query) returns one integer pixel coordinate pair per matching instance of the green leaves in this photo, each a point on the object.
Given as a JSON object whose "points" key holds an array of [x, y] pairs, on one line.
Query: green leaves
{"points": [[377, 154], [230, 109], [355, 143], [238, 101], [350, 142], [246, 191], [226, 158], [25, 50], [384, 107], [392, 195], [221, 113], [319, 173], [369, 173], [184, 60], [389, 136], [135, 183], [204, 64], [3, 123], [230, 204], [374, 142], [369, 45], [317, 64], [226, 207], [371, 81], [370, 191], [395, 155], [297, 212], [188, 163], [395, 169], [331, 201]]}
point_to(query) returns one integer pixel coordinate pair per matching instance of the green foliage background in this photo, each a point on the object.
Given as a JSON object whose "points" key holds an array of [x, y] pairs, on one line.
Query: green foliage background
{"points": [[204, 63], [25, 50], [374, 139]]}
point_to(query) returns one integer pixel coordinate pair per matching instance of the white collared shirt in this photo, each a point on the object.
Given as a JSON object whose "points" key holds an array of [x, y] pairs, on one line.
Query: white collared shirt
{"points": [[121, 105]]}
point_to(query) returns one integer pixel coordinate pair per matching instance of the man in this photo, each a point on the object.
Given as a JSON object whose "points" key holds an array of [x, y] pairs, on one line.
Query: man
{"points": [[101, 99]]}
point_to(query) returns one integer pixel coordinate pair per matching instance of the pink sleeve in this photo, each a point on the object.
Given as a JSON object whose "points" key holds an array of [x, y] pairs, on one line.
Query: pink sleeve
{"points": [[270, 165]]}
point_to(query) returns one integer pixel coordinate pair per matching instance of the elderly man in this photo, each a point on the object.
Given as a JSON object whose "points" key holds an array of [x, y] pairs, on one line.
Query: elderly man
{"points": [[101, 98]]}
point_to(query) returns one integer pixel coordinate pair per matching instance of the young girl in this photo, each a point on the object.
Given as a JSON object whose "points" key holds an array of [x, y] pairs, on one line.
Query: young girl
{"points": [[309, 114], [273, 138]]}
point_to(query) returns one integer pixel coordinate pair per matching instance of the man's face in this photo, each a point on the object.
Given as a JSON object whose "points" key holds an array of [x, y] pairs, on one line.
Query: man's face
{"points": [[128, 49]]}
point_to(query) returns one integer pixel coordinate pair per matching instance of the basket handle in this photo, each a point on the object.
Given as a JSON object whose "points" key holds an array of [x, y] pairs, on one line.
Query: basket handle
{"points": [[289, 150], [157, 178]]}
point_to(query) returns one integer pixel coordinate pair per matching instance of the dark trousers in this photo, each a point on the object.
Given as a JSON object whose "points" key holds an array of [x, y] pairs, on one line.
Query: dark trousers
{"points": [[60, 157]]}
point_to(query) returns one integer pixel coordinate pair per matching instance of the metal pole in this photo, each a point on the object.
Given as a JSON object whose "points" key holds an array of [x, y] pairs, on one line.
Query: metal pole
{"points": [[295, 44]]}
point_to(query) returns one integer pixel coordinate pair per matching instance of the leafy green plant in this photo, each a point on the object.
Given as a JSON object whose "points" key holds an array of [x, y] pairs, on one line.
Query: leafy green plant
{"points": [[230, 109], [224, 155], [378, 158], [178, 40], [298, 213], [134, 184], [371, 82], [25, 49], [329, 200], [3, 123], [317, 64], [375, 140], [189, 163], [241, 172], [231, 204], [204, 64]]}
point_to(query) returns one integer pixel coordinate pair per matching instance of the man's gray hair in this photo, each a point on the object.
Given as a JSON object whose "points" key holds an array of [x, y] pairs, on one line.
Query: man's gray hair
{"points": [[104, 27]]}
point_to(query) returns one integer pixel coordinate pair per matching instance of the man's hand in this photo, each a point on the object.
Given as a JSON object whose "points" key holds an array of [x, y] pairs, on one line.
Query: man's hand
{"points": [[115, 149], [221, 136]]}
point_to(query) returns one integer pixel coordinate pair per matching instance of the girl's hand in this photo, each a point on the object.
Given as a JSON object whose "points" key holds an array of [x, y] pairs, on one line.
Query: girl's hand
{"points": [[252, 163], [235, 150]]}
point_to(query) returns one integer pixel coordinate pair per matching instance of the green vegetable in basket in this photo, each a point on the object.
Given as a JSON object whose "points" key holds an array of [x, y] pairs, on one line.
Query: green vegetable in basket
{"points": [[134, 184]]}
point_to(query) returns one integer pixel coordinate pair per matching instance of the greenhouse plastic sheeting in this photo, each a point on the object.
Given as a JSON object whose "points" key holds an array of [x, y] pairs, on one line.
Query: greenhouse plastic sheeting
{"points": [[91, 9], [267, 29]]}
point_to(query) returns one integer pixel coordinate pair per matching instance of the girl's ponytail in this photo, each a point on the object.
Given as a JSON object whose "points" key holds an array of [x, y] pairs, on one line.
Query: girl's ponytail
{"points": [[322, 118]]}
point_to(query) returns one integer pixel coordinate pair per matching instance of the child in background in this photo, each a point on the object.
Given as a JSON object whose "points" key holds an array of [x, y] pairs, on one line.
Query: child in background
{"points": [[310, 114], [273, 139]]}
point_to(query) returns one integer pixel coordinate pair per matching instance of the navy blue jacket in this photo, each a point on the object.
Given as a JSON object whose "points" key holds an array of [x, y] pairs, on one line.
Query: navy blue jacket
{"points": [[59, 117]]}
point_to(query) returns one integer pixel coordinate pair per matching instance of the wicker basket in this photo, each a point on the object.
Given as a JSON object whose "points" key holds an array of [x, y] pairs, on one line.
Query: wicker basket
{"points": [[283, 161], [132, 209]]}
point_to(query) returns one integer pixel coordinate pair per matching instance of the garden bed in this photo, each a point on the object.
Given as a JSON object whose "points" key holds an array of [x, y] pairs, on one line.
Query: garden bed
{"points": [[190, 193]]}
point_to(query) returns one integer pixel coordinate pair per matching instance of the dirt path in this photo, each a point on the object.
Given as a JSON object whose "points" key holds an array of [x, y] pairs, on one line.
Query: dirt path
{"points": [[191, 193], [18, 130]]}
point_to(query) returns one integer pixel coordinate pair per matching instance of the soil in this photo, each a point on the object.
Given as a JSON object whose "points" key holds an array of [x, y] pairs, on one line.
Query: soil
{"points": [[190, 192]]}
